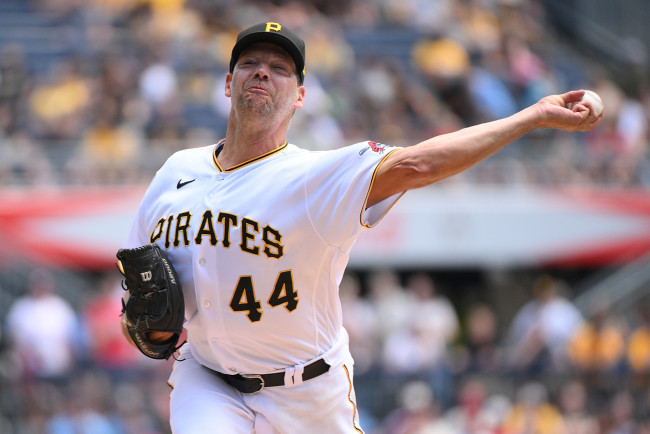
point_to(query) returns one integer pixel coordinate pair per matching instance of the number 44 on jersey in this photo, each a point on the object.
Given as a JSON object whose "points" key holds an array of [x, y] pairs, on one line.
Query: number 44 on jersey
{"points": [[243, 298]]}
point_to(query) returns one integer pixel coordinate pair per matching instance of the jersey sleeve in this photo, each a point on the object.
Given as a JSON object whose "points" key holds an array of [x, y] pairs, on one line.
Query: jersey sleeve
{"points": [[138, 232], [337, 189]]}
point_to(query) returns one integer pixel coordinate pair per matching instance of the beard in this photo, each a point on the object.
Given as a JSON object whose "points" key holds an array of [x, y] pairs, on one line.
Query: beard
{"points": [[256, 105], [260, 108]]}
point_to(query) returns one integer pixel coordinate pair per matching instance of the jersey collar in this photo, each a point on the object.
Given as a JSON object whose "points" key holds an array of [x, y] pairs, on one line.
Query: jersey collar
{"points": [[219, 147]]}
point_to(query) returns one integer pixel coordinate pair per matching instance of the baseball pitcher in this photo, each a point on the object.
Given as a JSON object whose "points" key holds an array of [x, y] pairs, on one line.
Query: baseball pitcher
{"points": [[254, 233]]}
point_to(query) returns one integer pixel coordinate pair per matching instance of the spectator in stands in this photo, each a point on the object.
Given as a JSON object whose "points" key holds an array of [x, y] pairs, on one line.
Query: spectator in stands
{"points": [[479, 350], [619, 417], [33, 406], [109, 147], [633, 127], [361, 322], [533, 412], [417, 409], [85, 408], [638, 343], [107, 348], [573, 403], [58, 104], [433, 313], [390, 300], [14, 83], [638, 361], [489, 93], [315, 124], [541, 330], [43, 329], [445, 64], [470, 415], [597, 347], [24, 162], [133, 410], [432, 327], [617, 152]]}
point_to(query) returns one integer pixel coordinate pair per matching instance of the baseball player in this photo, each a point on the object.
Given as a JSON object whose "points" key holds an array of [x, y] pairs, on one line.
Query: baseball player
{"points": [[260, 230]]}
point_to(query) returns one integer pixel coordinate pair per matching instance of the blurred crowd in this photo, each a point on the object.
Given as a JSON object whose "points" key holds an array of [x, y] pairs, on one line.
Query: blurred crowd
{"points": [[65, 366], [423, 364], [114, 87]]}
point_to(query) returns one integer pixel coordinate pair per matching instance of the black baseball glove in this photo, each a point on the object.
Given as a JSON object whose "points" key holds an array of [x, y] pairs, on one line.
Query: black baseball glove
{"points": [[155, 301]]}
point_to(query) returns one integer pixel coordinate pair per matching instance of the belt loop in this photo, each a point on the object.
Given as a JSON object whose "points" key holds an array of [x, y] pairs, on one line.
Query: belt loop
{"points": [[288, 376], [293, 376]]}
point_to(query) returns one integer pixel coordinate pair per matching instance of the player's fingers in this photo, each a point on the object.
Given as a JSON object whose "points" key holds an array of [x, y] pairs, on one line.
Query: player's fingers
{"points": [[572, 97], [587, 107], [594, 123], [582, 109], [589, 121], [590, 109], [577, 113]]}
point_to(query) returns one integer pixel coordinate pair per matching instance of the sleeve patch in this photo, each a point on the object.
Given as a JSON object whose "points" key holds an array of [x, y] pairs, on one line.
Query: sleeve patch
{"points": [[376, 147]]}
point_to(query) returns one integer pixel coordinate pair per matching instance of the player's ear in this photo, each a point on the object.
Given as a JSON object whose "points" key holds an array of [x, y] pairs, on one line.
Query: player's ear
{"points": [[300, 99], [227, 86]]}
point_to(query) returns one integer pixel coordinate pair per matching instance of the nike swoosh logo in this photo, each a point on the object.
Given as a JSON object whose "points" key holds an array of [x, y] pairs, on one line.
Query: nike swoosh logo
{"points": [[183, 184]]}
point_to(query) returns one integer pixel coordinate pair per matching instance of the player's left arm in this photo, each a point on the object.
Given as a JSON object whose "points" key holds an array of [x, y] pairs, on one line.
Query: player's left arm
{"points": [[446, 155]]}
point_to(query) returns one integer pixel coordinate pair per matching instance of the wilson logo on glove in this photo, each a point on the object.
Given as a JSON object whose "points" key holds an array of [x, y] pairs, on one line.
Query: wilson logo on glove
{"points": [[146, 276]]}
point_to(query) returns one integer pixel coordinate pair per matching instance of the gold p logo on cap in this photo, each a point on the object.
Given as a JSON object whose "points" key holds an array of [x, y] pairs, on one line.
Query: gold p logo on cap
{"points": [[273, 26]]}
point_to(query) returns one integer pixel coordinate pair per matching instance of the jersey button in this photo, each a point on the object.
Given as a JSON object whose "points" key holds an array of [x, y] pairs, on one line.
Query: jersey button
{"points": [[206, 303], [202, 262]]}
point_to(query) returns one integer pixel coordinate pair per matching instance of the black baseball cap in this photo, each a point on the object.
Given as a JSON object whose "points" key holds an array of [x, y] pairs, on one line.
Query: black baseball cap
{"points": [[274, 33]]}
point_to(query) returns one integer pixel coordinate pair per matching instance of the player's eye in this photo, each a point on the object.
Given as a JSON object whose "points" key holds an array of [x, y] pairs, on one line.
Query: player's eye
{"points": [[281, 68]]}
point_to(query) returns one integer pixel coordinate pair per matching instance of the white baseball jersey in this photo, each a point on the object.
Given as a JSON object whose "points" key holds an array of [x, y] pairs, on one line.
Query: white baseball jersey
{"points": [[260, 249]]}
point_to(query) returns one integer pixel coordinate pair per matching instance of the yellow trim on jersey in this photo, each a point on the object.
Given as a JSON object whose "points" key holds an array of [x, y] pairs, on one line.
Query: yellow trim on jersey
{"points": [[354, 405], [372, 181], [245, 163]]}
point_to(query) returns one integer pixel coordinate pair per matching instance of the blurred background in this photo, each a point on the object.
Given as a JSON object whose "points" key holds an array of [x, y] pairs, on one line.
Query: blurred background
{"points": [[512, 298]]}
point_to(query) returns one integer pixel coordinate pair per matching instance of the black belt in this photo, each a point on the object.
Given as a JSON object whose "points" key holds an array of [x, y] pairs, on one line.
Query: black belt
{"points": [[255, 383]]}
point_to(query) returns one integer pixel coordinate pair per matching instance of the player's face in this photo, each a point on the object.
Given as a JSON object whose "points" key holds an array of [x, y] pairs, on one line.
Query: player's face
{"points": [[264, 80]]}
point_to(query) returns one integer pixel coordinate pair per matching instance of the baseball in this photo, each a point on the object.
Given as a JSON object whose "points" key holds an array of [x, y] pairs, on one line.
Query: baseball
{"points": [[595, 99]]}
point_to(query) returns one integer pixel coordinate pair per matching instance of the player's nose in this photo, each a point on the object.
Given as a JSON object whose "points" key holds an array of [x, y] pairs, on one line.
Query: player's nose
{"points": [[262, 71]]}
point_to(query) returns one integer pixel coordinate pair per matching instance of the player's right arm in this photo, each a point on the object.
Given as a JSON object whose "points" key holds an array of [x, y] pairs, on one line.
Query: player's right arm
{"points": [[446, 155]]}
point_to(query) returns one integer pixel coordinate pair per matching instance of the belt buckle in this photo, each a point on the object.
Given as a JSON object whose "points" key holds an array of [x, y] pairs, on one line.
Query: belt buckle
{"points": [[255, 377]]}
